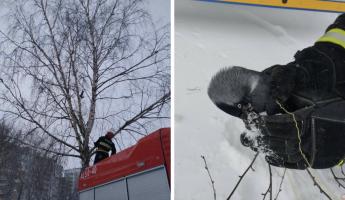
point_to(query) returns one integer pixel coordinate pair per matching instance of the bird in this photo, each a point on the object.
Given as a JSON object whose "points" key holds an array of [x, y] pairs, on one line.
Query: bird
{"points": [[233, 88], [81, 94]]}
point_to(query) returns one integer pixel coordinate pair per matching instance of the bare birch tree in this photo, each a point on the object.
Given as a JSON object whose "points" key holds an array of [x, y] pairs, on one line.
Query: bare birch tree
{"points": [[74, 67]]}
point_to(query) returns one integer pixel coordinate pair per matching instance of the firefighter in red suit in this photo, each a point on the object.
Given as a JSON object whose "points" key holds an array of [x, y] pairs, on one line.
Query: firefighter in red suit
{"points": [[104, 145]]}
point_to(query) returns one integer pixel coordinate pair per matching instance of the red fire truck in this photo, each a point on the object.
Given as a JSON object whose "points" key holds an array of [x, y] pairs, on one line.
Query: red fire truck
{"points": [[140, 172]]}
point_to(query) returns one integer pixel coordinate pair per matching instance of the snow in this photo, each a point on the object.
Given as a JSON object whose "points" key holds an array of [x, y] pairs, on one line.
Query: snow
{"points": [[208, 37]]}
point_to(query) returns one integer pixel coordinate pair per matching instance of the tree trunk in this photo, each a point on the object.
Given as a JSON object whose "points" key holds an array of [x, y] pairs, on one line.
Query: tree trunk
{"points": [[85, 160]]}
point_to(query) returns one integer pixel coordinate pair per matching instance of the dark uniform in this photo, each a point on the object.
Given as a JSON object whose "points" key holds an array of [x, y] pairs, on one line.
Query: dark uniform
{"points": [[304, 101], [313, 88], [104, 145]]}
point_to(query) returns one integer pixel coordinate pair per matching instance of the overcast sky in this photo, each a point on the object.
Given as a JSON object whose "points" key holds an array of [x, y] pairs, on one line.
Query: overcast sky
{"points": [[160, 10]]}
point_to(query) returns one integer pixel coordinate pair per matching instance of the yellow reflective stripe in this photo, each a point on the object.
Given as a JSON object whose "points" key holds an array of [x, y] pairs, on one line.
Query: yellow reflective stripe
{"points": [[335, 36], [337, 30], [332, 40], [340, 163], [101, 150], [105, 145]]}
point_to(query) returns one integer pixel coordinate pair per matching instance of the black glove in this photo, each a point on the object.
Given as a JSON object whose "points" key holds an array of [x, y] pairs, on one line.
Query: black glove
{"points": [[279, 142], [282, 83], [283, 80], [321, 143]]}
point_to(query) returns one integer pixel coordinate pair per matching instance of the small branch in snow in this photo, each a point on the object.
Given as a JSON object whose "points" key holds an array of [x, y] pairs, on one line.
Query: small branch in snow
{"points": [[339, 180], [269, 189], [342, 170], [318, 185], [241, 177], [211, 179], [252, 168], [193, 89], [280, 185]]}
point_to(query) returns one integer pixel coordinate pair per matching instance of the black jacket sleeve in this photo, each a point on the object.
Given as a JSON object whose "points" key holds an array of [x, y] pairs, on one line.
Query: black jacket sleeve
{"points": [[283, 80], [339, 23], [97, 142], [113, 149]]}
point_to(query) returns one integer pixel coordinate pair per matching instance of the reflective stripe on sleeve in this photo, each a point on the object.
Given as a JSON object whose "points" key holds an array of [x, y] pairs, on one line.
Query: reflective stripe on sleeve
{"points": [[101, 150], [335, 36], [105, 145]]}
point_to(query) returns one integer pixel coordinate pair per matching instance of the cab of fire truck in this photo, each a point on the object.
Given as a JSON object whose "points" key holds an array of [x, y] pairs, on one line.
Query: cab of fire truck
{"points": [[140, 172]]}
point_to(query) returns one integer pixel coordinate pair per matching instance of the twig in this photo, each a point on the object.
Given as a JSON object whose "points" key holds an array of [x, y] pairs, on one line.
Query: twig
{"points": [[300, 149], [338, 179], [298, 132], [280, 185], [241, 177], [269, 189], [209, 175], [342, 170], [317, 184]]}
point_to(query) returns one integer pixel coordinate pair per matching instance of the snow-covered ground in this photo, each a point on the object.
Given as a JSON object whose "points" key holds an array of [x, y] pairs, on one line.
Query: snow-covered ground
{"points": [[209, 36]]}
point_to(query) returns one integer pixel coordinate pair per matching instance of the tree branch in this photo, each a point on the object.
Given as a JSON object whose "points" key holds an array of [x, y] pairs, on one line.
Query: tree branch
{"points": [[211, 179], [322, 191], [280, 185], [269, 189], [339, 180], [242, 176]]}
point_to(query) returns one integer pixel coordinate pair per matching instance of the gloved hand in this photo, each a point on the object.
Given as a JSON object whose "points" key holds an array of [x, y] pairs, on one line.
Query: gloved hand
{"points": [[282, 83], [279, 151], [283, 80], [279, 142], [318, 143]]}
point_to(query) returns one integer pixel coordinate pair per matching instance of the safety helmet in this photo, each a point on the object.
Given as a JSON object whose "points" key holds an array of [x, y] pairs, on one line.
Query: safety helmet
{"points": [[110, 134]]}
